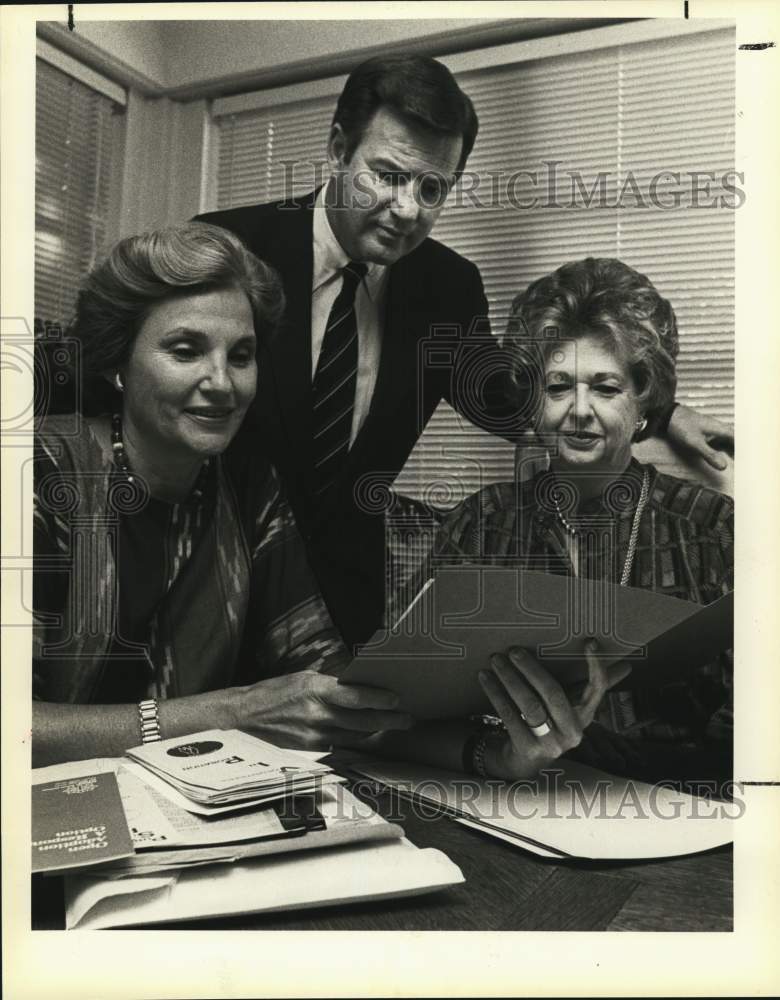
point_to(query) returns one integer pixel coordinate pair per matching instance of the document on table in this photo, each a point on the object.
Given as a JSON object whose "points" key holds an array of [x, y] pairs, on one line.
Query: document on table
{"points": [[431, 659], [155, 821], [178, 799], [572, 811], [138, 816], [374, 869], [219, 766], [339, 819], [161, 834]]}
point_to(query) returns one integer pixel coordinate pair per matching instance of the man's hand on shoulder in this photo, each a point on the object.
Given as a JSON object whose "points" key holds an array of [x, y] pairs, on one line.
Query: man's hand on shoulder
{"points": [[704, 435]]}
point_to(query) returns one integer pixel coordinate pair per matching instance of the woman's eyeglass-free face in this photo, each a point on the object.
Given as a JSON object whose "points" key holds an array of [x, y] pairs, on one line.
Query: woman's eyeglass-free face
{"points": [[590, 406], [191, 375]]}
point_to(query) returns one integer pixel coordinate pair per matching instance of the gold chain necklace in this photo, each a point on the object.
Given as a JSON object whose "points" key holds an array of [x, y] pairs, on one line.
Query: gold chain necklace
{"points": [[642, 503]]}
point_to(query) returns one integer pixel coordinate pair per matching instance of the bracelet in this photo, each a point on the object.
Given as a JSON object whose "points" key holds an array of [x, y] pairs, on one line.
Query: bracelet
{"points": [[149, 721], [478, 756], [474, 752]]}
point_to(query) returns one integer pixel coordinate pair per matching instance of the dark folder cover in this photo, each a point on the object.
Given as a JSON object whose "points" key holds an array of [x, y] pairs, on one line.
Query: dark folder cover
{"points": [[432, 657]]}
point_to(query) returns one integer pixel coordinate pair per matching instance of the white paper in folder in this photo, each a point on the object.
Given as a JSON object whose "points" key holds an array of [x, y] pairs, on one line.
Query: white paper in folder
{"points": [[576, 811]]}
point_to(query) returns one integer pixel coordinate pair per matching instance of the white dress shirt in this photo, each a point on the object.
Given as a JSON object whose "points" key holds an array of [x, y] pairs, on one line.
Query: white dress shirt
{"points": [[329, 259]]}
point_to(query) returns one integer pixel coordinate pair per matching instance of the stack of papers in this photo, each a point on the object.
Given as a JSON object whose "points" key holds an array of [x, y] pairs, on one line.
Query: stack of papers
{"points": [[279, 831], [221, 767], [145, 829], [168, 837]]}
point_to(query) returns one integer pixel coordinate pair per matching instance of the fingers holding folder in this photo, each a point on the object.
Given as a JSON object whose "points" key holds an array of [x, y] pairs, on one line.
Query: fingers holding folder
{"points": [[542, 722]]}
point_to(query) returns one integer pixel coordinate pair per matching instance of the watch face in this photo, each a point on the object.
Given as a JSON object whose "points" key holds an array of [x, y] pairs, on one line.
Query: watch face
{"points": [[195, 749]]}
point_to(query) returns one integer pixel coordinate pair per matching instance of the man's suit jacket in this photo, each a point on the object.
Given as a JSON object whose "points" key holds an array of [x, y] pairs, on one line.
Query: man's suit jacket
{"points": [[435, 345]]}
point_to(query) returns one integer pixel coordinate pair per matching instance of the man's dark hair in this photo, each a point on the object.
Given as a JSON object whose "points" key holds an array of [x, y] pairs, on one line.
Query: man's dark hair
{"points": [[417, 88]]}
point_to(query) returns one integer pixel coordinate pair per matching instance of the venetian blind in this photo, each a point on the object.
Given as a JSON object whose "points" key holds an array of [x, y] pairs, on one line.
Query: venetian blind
{"points": [[78, 139], [623, 151], [273, 153]]}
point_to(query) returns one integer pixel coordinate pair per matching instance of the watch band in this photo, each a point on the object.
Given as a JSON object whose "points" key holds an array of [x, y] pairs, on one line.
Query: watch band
{"points": [[149, 721], [474, 751], [478, 756]]}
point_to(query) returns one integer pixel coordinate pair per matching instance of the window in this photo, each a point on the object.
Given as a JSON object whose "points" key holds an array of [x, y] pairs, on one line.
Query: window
{"points": [[628, 149], [78, 142]]}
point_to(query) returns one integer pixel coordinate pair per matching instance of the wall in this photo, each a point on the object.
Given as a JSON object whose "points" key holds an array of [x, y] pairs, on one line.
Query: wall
{"points": [[204, 49], [138, 44], [178, 54]]}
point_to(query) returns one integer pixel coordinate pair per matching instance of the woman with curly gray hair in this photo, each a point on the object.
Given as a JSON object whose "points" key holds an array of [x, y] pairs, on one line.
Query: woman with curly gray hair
{"points": [[604, 343]]}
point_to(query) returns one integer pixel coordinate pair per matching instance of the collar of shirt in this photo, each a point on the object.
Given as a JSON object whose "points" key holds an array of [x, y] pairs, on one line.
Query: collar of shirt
{"points": [[330, 257]]}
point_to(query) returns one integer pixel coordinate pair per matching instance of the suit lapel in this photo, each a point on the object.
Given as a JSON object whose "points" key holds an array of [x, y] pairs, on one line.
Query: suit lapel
{"points": [[289, 353]]}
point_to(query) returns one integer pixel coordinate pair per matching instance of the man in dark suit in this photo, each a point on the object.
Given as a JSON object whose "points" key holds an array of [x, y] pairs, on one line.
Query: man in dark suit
{"points": [[401, 134], [382, 322]]}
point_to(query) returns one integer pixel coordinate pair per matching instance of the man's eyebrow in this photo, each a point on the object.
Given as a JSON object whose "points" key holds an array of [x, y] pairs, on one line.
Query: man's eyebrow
{"points": [[390, 165]]}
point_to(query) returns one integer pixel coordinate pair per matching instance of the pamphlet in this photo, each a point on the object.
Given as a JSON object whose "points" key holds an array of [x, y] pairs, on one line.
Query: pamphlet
{"points": [[78, 821], [225, 765]]}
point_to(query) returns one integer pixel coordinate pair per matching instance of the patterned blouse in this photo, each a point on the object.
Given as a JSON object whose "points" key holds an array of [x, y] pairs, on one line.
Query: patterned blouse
{"points": [[684, 549], [136, 597]]}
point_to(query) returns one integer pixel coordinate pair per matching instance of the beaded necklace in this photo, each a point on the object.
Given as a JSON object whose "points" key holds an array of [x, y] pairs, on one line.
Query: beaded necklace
{"points": [[643, 496], [120, 459]]}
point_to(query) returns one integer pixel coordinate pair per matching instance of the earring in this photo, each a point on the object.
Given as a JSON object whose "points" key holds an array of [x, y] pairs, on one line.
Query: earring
{"points": [[641, 424], [119, 383]]}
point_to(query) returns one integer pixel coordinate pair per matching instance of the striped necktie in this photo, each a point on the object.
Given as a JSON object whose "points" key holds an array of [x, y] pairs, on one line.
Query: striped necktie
{"points": [[333, 389]]}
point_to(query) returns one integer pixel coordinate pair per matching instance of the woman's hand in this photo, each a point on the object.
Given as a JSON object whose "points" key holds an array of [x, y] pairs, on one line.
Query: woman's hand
{"points": [[312, 710], [526, 695]]}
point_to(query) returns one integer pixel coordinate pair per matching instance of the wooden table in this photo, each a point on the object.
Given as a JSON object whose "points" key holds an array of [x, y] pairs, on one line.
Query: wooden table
{"points": [[505, 889]]}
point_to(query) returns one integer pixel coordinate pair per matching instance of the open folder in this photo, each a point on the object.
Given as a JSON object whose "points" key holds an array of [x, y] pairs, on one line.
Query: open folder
{"points": [[432, 657], [569, 811]]}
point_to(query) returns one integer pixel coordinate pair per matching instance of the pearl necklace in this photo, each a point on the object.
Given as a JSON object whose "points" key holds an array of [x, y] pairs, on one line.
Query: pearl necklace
{"points": [[120, 459], [643, 497]]}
